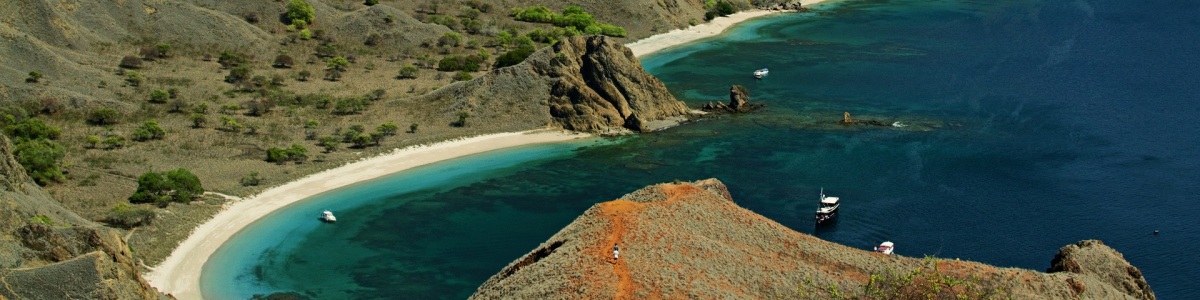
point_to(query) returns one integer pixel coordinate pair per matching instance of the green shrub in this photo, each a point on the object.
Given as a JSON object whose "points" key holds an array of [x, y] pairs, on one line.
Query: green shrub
{"points": [[42, 160], [134, 79], [462, 76], [103, 116], [34, 77], [371, 2], [149, 131], [250, 180], [298, 10], [129, 216], [513, 57], [470, 63], [32, 129], [536, 14], [178, 185], [159, 96], [388, 128], [130, 62], [229, 59]]}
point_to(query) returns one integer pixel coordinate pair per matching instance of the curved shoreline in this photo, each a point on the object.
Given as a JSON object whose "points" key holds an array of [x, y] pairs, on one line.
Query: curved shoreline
{"points": [[179, 274], [683, 36]]}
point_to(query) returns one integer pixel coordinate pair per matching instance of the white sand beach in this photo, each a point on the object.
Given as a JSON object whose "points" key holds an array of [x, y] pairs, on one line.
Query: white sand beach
{"points": [[715, 27], [179, 274]]}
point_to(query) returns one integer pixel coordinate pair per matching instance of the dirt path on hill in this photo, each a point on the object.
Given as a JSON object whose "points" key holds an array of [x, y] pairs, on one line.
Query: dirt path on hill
{"points": [[617, 211]]}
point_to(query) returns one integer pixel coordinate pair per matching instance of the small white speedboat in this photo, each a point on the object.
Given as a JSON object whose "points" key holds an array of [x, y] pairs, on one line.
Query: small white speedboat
{"points": [[327, 216], [886, 248], [760, 73]]}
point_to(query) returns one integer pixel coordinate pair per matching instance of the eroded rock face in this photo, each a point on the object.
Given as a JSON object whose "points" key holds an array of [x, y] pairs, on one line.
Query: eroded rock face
{"points": [[597, 84], [58, 255], [590, 84], [691, 240], [739, 98], [1092, 257]]}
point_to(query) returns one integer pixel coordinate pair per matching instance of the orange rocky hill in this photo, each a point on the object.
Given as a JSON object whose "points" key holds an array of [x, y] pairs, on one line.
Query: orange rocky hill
{"points": [[690, 240]]}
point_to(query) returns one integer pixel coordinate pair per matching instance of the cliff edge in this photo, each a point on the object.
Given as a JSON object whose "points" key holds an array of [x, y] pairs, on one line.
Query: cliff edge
{"points": [[690, 240], [583, 83], [48, 252]]}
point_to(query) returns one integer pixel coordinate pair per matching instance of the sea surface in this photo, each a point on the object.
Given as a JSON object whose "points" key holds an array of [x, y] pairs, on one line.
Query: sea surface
{"points": [[1023, 126]]}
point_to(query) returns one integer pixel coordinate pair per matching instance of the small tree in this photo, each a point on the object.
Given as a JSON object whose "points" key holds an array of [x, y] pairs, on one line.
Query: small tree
{"points": [[134, 79], [34, 77], [178, 185], [93, 141], [283, 61], [103, 116], [361, 140], [462, 119], [462, 76], [304, 75], [298, 10], [131, 62], [163, 49], [408, 72], [412, 128], [371, 2], [42, 160], [238, 75], [198, 120], [251, 179], [159, 96], [330, 143], [389, 128]]}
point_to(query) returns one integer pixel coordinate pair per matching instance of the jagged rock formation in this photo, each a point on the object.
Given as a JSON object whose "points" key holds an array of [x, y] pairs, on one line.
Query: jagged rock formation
{"points": [[690, 240], [47, 252], [591, 84], [1092, 257], [739, 101]]}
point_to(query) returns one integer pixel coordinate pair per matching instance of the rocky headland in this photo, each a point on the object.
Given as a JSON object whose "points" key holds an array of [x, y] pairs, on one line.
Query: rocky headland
{"points": [[48, 252], [691, 240], [583, 83]]}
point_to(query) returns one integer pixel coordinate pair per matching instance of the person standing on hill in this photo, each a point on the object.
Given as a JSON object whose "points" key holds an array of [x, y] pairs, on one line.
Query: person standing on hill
{"points": [[616, 252]]}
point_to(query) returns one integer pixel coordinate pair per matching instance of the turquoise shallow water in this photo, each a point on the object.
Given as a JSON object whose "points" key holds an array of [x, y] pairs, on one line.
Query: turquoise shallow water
{"points": [[1031, 125]]}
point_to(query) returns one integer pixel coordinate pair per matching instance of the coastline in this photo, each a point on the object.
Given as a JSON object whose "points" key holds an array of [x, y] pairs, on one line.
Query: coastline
{"points": [[179, 274], [677, 37]]}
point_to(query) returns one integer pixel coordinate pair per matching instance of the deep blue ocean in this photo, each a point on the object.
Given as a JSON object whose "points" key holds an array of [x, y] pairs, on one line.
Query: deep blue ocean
{"points": [[1027, 125]]}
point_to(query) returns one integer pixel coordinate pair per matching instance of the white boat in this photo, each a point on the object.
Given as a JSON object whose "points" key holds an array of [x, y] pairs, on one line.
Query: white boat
{"points": [[886, 248], [828, 208], [327, 216], [760, 73]]}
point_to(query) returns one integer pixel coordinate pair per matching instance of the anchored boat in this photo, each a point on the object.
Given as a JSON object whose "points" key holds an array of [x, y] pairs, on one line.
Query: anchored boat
{"points": [[760, 73], [327, 216], [828, 208], [886, 248]]}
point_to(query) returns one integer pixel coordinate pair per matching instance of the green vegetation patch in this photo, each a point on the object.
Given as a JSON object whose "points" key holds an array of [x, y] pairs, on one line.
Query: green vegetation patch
{"points": [[573, 18], [178, 185]]}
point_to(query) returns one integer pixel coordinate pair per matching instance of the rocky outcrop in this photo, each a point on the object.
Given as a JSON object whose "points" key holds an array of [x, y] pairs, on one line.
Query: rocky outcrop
{"points": [[1099, 261], [47, 252], [691, 240], [739, 102], [584, 83]]}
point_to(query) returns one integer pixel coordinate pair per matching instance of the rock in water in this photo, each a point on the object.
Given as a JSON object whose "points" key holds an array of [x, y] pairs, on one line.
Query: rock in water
{"points": [[739, 98]]}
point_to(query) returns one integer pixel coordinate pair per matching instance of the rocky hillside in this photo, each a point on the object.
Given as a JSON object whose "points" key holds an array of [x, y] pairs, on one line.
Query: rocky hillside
{"points": [[591, 84], [47, 252], [690, 240]]}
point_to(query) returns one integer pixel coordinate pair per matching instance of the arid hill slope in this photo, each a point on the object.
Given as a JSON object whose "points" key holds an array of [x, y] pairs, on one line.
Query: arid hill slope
{"points": [[47, 252], [690, 240]]}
